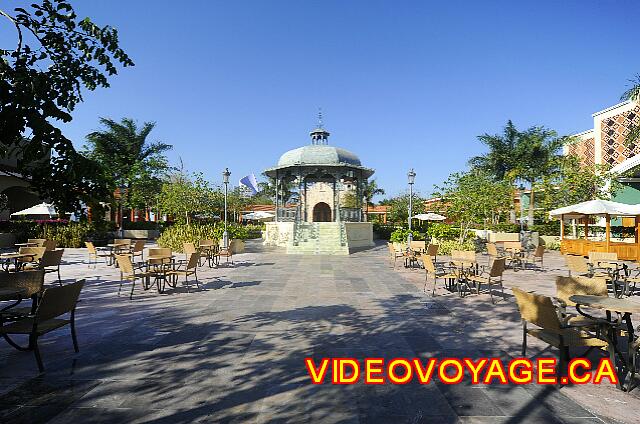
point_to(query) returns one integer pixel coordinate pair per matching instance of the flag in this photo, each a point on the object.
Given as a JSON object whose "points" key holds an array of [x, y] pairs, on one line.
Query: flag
{"points": [[250, 182]]}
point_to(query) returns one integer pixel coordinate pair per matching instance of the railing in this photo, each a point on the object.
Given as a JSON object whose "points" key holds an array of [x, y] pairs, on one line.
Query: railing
{"points": [[287, 214], [350, 214]]}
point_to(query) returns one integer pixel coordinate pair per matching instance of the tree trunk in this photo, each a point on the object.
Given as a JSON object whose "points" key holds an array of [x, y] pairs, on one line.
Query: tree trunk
{"points": [[531, 207]]}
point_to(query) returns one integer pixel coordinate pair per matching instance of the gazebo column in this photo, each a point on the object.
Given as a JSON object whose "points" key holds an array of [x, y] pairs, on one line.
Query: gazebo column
{"points": [[586, 227], [277, 188], [637, 222], [561, 227]]}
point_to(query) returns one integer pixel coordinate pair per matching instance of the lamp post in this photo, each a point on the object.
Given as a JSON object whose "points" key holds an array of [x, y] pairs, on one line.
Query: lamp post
{"points": [[521, 208], [225, 180], [122, 188], [412, 179]]}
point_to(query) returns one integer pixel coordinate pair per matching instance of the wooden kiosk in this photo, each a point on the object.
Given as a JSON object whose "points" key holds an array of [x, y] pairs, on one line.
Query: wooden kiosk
{"points": [[603, 209]]}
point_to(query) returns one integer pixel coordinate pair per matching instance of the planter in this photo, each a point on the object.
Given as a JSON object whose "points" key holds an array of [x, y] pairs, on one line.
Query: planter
{"points": [[7, 239], [141, 234]]}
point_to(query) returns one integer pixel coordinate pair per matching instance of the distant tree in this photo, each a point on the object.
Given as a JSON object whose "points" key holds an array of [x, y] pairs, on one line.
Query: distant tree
{"points": [[527, 156], [474, 197], [129, 159], [399, 207], [41, 81], [633, 94], [370, 190], [183, 197]]}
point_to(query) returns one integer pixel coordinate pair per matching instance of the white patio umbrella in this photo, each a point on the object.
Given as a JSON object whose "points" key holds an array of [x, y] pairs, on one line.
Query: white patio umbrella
{"points": [[596, 207], [429, 216], [258, 216], [41, 209]]}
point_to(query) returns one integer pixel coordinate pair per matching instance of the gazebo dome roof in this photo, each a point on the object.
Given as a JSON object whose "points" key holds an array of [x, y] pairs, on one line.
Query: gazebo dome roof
{"points": [[318, 154]]}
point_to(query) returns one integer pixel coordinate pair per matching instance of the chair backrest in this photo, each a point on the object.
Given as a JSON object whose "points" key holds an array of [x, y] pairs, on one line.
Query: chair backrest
{"points": [[497, 267], [31, 281], [597, 257], [50, 245], [429, 267], [463, 255], [51, 257], [539, 253], [139, 245], [90, 247], [576, 264], [59, 300], [189, 248], [537, 309], [512, 245], [492, 250], [40, 242], [37, 252], [207, 242], [160, 251], [419, 245], [568, 286], [432, 250], [193, 260], [399, 247], [121, 241], [125, 264]]}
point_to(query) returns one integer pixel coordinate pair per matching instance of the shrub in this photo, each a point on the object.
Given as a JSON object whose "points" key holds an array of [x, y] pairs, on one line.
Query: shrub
{"points": [[446, 246], [400, 235], [176, 235], [383, 231], [505, 227], [551, 228], [66, 234], [443, 231]]}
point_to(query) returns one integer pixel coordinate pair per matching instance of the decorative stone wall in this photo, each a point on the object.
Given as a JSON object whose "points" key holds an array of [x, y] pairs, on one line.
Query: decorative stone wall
{"points": [[359, 234], [277, 233], [584, 150], [318, 192]]}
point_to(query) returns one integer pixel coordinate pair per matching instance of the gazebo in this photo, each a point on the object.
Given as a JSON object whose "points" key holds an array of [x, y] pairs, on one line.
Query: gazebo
{"points": [[602, 209], [319, 199]]}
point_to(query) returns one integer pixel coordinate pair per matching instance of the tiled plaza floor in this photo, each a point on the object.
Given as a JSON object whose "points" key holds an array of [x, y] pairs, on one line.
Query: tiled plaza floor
{"points": [[234, 351]]}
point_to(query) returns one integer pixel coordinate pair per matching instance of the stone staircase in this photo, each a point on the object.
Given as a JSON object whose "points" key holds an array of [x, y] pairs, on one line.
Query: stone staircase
{"points": [[319, 238]]}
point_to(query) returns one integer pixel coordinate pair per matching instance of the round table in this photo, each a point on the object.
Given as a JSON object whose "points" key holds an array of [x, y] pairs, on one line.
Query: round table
{"points": [[624, 308], [7, 257], [162, 261]]}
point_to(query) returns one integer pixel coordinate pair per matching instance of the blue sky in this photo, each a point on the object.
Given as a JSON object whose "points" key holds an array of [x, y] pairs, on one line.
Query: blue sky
{"points": [[402, 84]]}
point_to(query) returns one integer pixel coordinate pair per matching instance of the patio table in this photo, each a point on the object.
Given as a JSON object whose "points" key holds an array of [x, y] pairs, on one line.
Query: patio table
{"points": [[115, 249], [160, 265], [27, 244], [15, 257], [624, 308]]}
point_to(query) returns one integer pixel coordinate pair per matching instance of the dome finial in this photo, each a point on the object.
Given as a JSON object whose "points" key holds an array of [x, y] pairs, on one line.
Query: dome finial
{"points": [[319, 135]]}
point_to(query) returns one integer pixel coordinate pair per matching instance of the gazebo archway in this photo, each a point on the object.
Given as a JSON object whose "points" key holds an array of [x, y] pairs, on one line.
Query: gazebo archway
{"points": [[322, 212]]}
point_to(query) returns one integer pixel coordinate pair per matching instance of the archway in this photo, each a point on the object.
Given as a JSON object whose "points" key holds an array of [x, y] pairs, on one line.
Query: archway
{"points": [[321, 212]]}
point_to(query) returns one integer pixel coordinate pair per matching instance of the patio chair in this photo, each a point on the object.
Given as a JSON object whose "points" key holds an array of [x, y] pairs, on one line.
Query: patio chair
{"points": [[122, 246], [138, 250], [446, 273], [32, 282], [540, 311], [94, 254], [535, 257], [228, 252], [394, 254], [432, 250], [130, 273], [569, 286], [419, 246], [35, 252], [50, 245], [190, 268], [492, 251], [38, 242], [577, 265], [49, 262], [55, 303], [493, 276]]}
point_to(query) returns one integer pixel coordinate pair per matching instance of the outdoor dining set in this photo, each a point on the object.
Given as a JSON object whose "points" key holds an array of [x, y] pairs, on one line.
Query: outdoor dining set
{"points": [[592, 308], [23, 280]]}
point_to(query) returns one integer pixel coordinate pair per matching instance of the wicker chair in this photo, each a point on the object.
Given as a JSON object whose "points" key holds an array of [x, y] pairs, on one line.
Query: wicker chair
{"points": [[494, 276], [94, 254], [55, 302], [228, 252], [138, 250], [190, 248], [50, 245], [432, 250], [569, 286], [418, 246], [540, 311], [32, 282], [448, 274], [130, 273], [190, 268], [394, 254], [50, 262], [35, 252], [577, 265], [535, 257]]}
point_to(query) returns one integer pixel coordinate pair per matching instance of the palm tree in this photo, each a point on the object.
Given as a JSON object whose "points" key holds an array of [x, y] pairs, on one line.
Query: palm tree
{"points": [[633, 94], [122, 149], [498, 161], [369, 190]]}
